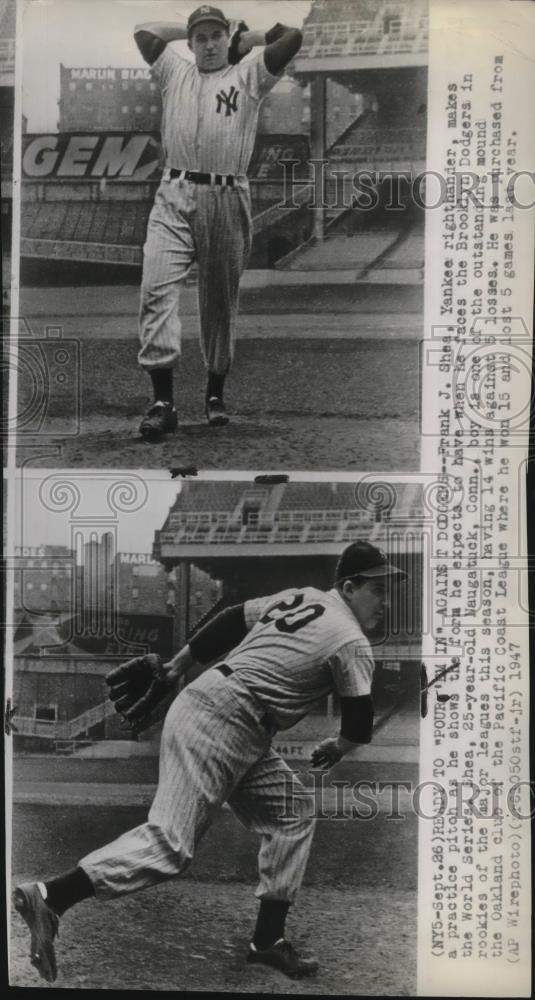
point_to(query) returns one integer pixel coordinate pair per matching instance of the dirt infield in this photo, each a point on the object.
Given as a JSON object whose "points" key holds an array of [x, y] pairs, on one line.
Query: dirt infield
{"points": [[325, 378], [309, 404], [357, 910]]}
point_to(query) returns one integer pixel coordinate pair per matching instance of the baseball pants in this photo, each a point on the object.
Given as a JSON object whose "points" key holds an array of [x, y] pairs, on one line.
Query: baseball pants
{"points": [[213, 749], [189, 222]]}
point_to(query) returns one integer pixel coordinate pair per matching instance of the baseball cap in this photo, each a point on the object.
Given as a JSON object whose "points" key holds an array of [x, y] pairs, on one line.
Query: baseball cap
{"points": [[206, 13], [364, 559]]}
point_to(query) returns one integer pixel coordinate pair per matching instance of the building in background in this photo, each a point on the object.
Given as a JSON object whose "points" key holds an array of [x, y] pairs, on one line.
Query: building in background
{"points": [[127, 99], [44, 578], [95, 99]]}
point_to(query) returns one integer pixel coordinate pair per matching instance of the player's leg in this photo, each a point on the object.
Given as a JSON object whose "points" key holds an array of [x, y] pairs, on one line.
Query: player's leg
{"points": [[168, 254], [204, 752], [272, 801], [223, 232]]}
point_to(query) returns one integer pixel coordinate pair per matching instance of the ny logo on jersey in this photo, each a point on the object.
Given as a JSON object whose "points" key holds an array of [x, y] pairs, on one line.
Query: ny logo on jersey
{"points": [[230, 101]]}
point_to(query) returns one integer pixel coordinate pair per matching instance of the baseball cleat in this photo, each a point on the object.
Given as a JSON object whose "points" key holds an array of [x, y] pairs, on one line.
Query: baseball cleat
{"points": [[283, 956], [215, 412], [159, 419], [44, 926]]}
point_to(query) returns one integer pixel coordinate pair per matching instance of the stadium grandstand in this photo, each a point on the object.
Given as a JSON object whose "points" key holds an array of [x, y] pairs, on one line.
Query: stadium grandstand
{"points": [[361, 82], [366, 28], [97, 210], [289, 534], [378, 49]]}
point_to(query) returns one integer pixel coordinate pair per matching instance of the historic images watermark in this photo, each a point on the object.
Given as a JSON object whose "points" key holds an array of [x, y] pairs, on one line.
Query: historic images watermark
{"points": [[393, 190], [456, 798]]}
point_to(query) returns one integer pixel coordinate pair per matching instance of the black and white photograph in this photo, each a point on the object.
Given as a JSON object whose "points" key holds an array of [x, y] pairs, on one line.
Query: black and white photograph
{"points": [[288, 617], [267, 298], [222, 265]]}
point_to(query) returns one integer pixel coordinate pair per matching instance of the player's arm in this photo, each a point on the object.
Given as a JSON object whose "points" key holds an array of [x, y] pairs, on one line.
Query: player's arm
{"points": [[143, 688], [281, 43], [352, 670], [151, 38], [356, 728], [222, 633]]}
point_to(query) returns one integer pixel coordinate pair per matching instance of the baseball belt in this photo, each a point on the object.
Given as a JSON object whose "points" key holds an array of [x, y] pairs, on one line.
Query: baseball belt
{"points": [[198, 177], [266, 721]]}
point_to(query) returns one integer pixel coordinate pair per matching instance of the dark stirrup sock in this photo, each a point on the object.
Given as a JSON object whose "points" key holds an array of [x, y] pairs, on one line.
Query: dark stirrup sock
{"points": [[216, 384], [162, 384], [68, 889], [270, 922]]}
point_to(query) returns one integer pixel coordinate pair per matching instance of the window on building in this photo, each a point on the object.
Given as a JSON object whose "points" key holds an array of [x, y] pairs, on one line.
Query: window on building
{"points": [[45, 713], [72, 85], [43, 586], [124, 109], [89, 86], [153, 109], [135, 570], [29, 586], [139, 109], [125, 84], [138, 85], [152, 86], [135, 592]]}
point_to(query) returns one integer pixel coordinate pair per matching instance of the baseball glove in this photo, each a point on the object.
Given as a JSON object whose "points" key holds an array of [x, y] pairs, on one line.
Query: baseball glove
{"points": [[276, 32], [137, 688], [234, 54]]}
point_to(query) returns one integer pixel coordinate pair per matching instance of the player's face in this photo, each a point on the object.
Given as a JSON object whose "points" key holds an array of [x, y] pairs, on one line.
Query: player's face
{"points": [[369, 601], [209, 44]]}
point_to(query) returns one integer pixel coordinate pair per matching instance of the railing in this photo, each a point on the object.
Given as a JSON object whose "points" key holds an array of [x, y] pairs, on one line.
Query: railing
{"points": [[28, 726], [91, 717], [360, 37], [103, 253], [67, 729]]}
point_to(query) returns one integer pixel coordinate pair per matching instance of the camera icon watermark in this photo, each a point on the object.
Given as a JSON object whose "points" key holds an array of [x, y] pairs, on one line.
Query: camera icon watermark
{"points": [[48, 376]]}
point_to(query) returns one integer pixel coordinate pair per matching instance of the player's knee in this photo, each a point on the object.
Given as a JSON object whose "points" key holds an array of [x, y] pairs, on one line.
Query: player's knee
{"points": [[299, 815]]}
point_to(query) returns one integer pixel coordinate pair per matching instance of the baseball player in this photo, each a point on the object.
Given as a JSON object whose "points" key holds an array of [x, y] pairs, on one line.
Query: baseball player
{"points": [[202, 209], [287, 652]]}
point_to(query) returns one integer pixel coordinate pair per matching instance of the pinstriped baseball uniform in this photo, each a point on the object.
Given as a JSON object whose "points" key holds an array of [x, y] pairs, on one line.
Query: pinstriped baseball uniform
{"points": [[208, 124], [301, 645]]}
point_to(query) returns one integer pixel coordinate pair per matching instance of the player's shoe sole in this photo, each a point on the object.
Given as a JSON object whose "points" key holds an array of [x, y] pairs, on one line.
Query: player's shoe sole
{"points": [[216, 414], [283, 957], [43, 924], [159, 420]]}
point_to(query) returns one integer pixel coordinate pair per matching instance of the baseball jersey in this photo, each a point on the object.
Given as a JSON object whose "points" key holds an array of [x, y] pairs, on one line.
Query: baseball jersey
{"points": [[209, 120], [301, 645]]}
